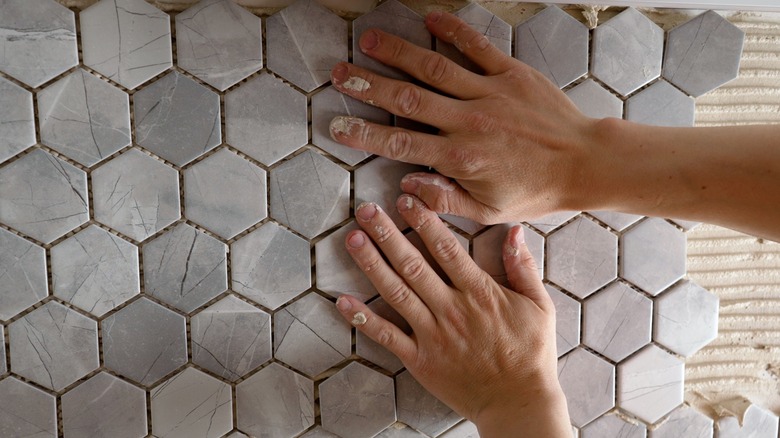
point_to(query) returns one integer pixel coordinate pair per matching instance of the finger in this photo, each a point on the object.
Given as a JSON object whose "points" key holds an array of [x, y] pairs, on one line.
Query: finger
{"points": [[521, 270], [378, 329], [445, 196]]}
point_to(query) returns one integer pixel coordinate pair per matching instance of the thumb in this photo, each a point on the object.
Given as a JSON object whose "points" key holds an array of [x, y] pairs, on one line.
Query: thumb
{"points": [[446, 196], [521, 270]]}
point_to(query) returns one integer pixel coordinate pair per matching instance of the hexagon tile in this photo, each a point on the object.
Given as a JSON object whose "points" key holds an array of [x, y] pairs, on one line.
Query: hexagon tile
{"points": [[159, 276]]}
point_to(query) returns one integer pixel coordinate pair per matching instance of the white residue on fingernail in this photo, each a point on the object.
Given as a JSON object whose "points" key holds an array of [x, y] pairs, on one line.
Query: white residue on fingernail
{"points": [[409, 203], [355, 83], [343, 125], [359, 318], [511, 251], [439, 182]]}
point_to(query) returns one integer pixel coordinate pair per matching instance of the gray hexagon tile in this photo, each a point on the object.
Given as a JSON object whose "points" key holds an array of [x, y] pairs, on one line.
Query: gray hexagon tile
{"points": [[17, 120], [43, 196], [653, 255], [627, 51], [400, 430], [489, 247], [756, 423], [219, 42], [614, 426], [370, 350], [555, 44], [309, 193], [37, 40], [104, 406], [567, 320], [703, 53], [466, 429], [144, 341], [684, 422], [547, 223], [589, 384], [305, 40], [685, 224], [357, 402], [468, 226], [84, 118], [185, 267], [95, 270], [686, 318], [336, 272], [661, 105], [266, 119], [23, 278], [127, 41], [276, 402], [136, 194], [595, 101], [177, 119], [379, 181], [617, 321], [236, 435], [650, 384], [3, 365], [225, 193], [26, 411], [270, 265], [582, 257], [311, 336], [192, 403], [231, 338], [616, 221], [53, 346], [318, 432], [420, 409], [497, 31]]}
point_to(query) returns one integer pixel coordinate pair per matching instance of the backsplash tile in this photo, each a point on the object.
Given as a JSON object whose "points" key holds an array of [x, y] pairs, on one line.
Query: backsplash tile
{"points": [[17, 120]]}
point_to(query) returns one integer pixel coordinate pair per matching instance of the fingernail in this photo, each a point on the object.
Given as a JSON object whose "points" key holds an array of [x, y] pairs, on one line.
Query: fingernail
{"points": [[410, 184], [338, 74], [343, 304], [366, 211], [520, 236], [511, 251], [516, 240], [369, 40], [356, 240], [343, 126], [405, 203], [483, 43], [434, 16]]}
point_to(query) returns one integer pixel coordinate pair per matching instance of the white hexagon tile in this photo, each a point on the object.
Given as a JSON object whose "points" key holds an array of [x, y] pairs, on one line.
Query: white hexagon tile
{"points": [[172, 233]]}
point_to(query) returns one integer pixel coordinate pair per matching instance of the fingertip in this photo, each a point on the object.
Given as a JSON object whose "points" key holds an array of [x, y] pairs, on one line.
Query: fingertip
{"points": [[369, 40], [514, 242], [433, 17]]}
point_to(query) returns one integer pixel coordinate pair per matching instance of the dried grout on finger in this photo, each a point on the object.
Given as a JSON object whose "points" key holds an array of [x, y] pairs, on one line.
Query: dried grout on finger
{"points": [[359, 319], [356, 83], [343, 125]]}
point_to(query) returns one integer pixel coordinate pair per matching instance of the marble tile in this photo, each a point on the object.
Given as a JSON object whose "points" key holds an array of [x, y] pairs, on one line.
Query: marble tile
{"points": [[135, 194], [652, 255], [547, 223], [414, 238], [219, 42], [23, 278], [370, 350], [468, 226], [466, 429], [231, 338], [127, 41], [185, 267], [582, 257], [336, 272], [650, 384], [400, 430], [595, 101], [703, 53], [43, 196], [661, 105], [144, 341], [192, 403], [318, 432], [265, 119], [616, 221], [37, 40], [684, 422], [225, 193], [309, 193], [17, 120], [177, 119], [84, 118], [686, 318], [379, 181], [3, 365], [757, 423], [104, 406], [311, 336], [554, 43], [420, 409], [489, 248], [276, 402], [357, 402], [614, 426], [497, 31], [305, 40], [270, 265], [686, 225], [627, 51], [589, 384], [617, 321], [26, 411], [237, 435], [53, 346], [567, 320]]}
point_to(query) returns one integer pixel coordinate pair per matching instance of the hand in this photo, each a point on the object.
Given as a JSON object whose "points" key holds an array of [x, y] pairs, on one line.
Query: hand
{"points": [[486, 351]]}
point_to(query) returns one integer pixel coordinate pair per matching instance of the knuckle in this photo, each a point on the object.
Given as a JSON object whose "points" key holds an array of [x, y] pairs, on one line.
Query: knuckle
{"points": [[398, 295], [436, 69], [400, 144], [408, 100], [412, 267], [385, 337], [479, 122], [372, 264], [467, 162], [382, 234], [447, 249]]}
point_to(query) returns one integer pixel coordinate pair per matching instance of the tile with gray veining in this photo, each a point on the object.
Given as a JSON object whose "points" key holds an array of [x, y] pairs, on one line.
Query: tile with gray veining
{"points": [[144, 341], [703, 53], [567, 320], [627, 51], [95, 270], [23, 279], [589, 385], [104, 406], [547, 223], [84, 118], [686, 318], [554, 43], [231, 338], [614, 426], [236, 435], [336, 272], [497, 31], [266, 119], [756, 423], [270, 265], [305, 40], [185, 267], [276, 402], [489, 249], [310, 335], [3, 365], [650, 384], [37, 40], [309, 193], [53, 346], [135, 194], [595, 101], [370, 350], [318, 432], [357, 402], [128, 41], [616, 221], [466, 429], [190, 404], [420, 409], [177, 119], [225, 193], [379, 181], [466, 225], [43, 196], [684, 421], [400, 430], [26, 410], [617, 321], [661, 105], [17, 120], [652, 255], [219, 42]]}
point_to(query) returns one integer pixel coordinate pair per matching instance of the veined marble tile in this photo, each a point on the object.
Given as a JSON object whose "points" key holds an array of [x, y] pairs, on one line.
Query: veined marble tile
{"points": [[497, 31], [616, 221], [379, 181], [17, 120], [684, 422], [653, 255], [757, 423], [567, 320], [661, 105], [595, 101], [400, 430], [23, 279], [336, 272], [547, 223], [27, 411], [614, 426], [650, 384], [420, 409], [686, 318], [3, 365], [589, 384]]}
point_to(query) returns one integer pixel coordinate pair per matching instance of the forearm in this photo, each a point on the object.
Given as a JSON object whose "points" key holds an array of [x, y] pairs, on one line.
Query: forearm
{"points": [[543, 416]]}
